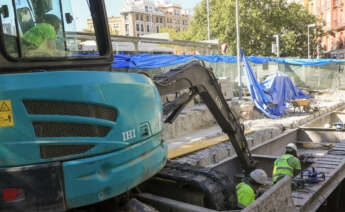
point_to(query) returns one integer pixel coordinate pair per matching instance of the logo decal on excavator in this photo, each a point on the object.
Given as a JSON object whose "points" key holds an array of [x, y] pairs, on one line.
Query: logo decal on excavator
{"points": [[128, 135], [6, 114]]}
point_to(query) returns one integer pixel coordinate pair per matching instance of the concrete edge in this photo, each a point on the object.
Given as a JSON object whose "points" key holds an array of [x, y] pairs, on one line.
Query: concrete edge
{"points": [[268, 200], [325, 190]]}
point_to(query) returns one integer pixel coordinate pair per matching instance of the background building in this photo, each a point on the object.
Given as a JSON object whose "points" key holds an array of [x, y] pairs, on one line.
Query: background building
{"points": [[116, 25], [140, 17], [176, 18], [331, 14]]}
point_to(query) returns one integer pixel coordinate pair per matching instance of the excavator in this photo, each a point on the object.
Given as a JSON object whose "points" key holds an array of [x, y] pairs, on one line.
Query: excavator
{"points": [[74, 132]]}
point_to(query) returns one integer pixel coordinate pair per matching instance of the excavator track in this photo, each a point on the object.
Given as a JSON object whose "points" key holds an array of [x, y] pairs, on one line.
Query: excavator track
{"points": [[218, 190]]}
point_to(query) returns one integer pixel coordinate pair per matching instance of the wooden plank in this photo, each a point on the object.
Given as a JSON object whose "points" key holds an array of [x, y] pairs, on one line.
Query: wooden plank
{"points": [[199, 145]]}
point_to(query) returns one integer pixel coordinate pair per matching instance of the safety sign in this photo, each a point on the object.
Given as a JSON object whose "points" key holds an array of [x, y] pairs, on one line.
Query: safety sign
{"points": [[6, 114]]}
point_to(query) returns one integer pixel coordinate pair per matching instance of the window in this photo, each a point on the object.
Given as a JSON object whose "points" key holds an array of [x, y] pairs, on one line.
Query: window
{"points": [[157, 19], [146, 9], [137, 17], [148, 18], [142, 17], [138, 27], [337, 2], [126, 17], [148, 28], [116, 25], [34, 16], [328, 19], [10, 31], [127, 28], [161, 20], [157, 29], [142, 27]]}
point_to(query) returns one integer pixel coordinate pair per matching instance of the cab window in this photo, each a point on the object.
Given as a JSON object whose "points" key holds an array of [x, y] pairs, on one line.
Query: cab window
{"points": [[45, 28]]}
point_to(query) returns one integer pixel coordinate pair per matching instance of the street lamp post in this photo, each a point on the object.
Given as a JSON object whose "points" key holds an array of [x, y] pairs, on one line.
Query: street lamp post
{"points": [[208, 20], [309, 26], [238, 50], [277, 43]]}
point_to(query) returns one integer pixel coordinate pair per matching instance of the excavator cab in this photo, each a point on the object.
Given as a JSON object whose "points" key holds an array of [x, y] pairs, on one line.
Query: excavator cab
{"points": [[72, 132]]}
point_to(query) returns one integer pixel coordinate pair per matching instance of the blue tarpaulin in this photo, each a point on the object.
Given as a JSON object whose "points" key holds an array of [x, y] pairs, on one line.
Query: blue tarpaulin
{"points": [[149, 61], [271, 96], [280, 89]]}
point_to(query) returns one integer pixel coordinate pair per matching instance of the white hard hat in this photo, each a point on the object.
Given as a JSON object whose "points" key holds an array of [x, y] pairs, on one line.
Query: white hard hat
{"points": [[292, 146], [259, 176]]}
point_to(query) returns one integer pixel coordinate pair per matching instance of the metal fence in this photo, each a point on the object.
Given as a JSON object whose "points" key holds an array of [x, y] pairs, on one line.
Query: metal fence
{"points": [[136, 45], [331, 76]]}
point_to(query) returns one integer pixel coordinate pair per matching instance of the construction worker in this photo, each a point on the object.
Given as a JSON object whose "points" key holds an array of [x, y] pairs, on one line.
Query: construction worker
{"points": [[44, 31], [246, 190], [287, 164]]}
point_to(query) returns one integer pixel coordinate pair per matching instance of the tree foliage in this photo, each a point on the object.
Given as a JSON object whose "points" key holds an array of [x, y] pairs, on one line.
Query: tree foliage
{"points": [[260, 20], [114, 32]]}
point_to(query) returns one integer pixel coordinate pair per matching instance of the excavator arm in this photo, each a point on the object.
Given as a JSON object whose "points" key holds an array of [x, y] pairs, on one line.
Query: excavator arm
{"points": [[195, 79]]}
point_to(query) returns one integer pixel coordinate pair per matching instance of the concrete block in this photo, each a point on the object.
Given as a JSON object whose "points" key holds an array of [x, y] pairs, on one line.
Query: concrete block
{"points": [[187, 160], [250, 141], [220, 155], [267, 134], [203, 162]]}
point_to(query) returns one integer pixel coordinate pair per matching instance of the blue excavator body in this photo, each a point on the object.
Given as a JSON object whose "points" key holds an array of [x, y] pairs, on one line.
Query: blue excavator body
{"points": [[72, 131], [80, 136]]}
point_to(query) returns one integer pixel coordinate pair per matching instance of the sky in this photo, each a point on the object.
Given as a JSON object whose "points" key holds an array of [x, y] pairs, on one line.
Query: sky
{"points": [[114, 6]]}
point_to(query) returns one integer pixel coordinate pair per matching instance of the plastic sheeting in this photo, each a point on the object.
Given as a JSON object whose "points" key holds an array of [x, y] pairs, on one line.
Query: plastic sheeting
{"points": [[149, 61], [256, 91], [271, 96], [280, 89]]}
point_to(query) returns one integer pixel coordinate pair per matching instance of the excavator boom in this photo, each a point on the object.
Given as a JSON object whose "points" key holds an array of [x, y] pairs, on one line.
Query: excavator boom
{"points": [[195, 79]]}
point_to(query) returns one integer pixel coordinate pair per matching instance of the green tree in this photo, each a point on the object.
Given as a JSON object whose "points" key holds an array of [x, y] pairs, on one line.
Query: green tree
{"points": [[173, 34], [88, 31], [115, 32], [260, 20]]}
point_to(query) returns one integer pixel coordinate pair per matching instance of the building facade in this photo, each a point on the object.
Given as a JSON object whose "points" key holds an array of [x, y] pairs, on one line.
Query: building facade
{"points": [[116, 25], [142, 17], [331, 14], [176, 18]]}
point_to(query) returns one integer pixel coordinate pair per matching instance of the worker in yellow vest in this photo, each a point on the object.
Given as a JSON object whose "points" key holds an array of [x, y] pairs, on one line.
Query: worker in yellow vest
{"points": [[287, 164], [246, 190]]}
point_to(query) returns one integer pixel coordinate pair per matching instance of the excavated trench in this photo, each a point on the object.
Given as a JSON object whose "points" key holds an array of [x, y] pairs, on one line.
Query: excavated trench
{"points": [[324, 150]]}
